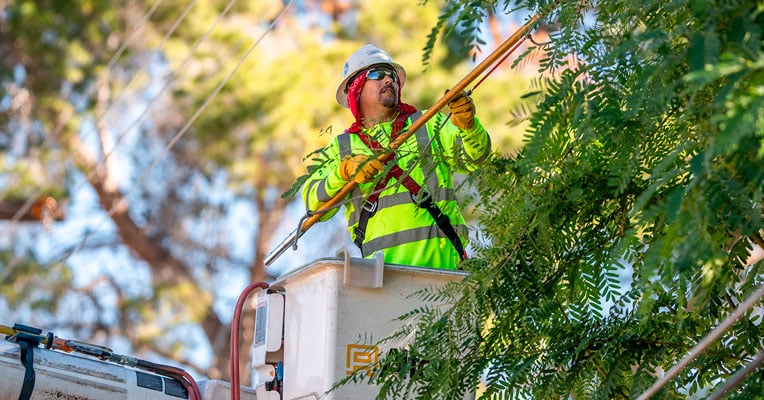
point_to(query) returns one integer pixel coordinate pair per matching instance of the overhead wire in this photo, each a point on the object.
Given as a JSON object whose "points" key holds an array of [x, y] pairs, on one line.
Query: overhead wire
{"points": [[167, 82], [183, 130], [147, 108], [702, 345], [175, 25], [64, 119], [89, 92], [193, 118], [16, 260]]}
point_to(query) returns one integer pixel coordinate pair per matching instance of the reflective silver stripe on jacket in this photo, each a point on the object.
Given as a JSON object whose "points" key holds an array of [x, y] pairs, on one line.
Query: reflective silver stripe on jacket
{"points": [[321, 194], [429, 170], [356, 197], [409, 236], [343, 140]]}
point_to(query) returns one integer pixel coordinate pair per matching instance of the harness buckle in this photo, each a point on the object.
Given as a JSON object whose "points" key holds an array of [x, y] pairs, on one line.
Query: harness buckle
{"points": [[370, 206], [422, 198]]}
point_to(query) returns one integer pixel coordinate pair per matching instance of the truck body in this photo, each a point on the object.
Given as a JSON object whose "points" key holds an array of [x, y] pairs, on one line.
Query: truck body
{"points": [[313, 327]]}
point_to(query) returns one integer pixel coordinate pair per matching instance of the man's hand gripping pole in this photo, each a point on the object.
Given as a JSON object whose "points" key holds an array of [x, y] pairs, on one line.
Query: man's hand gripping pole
{"points": [[311, 218]]}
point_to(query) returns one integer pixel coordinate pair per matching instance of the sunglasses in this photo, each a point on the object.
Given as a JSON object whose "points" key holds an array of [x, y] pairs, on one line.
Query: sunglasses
{"points": [[379, 74]]}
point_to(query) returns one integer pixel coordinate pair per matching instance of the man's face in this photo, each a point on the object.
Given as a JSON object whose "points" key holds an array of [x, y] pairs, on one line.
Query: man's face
{"points": [[381, 87]]}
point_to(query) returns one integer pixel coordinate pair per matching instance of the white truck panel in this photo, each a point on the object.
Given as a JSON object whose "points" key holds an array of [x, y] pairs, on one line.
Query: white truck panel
{"points": [[336, 311], [66, 376]]}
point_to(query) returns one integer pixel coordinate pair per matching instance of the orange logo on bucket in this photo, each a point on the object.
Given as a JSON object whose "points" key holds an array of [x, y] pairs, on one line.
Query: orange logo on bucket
{"points": [[361, 357]]}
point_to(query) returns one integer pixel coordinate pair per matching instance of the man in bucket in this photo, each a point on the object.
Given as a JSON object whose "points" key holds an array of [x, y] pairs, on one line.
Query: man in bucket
{"points": [[405, 204]]}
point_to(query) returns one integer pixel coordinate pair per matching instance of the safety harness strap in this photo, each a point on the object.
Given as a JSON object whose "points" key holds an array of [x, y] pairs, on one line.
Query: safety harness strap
{"points": [[27, 360], [423, 200], [27, 343], [369, 208]]}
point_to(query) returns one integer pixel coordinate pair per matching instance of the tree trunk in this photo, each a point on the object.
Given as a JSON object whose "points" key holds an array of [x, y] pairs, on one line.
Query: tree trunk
{"points": [[166, 270]]}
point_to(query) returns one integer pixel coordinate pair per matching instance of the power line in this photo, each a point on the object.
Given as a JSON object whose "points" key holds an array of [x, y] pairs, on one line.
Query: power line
{"points": [[699, 348], [64, 118], [25, 208], [201, 109], [184, 129], [168, 80], [737, 378]]}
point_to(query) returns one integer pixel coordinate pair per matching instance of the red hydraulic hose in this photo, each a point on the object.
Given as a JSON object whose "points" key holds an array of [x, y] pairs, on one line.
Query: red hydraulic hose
{"points": [[234, 362], [176, 373], [191, 385]]}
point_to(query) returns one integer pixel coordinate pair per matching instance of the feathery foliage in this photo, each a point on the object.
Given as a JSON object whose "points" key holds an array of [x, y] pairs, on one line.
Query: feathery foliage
{"points": [[617, 238]]}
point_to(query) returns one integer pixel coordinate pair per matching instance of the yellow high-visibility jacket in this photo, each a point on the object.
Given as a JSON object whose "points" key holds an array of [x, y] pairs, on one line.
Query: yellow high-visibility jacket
{"points": [[406, 233]]}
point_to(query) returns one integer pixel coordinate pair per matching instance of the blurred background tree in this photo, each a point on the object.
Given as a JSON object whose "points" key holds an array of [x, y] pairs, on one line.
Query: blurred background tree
{"points": [[166, 132]]}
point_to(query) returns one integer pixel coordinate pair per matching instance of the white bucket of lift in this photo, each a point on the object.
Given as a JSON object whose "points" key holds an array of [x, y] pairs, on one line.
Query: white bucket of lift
{"points": [[335, 311]]}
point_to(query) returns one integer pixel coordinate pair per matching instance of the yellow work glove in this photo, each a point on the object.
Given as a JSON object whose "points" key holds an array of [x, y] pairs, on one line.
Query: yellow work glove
{"points": [[360, 168], [462, 111]]}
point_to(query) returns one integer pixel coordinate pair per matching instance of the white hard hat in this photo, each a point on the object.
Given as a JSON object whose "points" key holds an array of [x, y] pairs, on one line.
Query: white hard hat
{"points": [[363, 58]]}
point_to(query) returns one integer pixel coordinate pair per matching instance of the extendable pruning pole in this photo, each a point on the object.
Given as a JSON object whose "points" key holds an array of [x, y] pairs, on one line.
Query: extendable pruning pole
{"points": [[454, 92]]}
